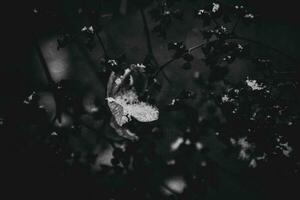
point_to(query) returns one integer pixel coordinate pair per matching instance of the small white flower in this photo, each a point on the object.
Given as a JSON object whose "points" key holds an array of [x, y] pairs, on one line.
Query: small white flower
{"points": [[200, 12], [254, 85], [249, 16], [225, 98], [118, 81], [199, 146], [173, 102], [175, 145], [171, 162], [245, 147], [196, 74], [223, 28], [141, 66], [29, 98], [232, 141], [240, 47], [84, 28], [261, 157], [187, 142], [285, 148], [177, 184], [54, 133], [91, 29], [112, 62], [167, 12], [253, 163], [234, 110], [216, 7]]}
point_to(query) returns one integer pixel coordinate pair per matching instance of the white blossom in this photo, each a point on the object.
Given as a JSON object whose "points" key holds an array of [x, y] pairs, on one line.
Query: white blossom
{"points": [[171, 162], [141, 66], [286, 149], [187, 142], [29, 98], [175, 145], [225, 98], [199, 146], [253, 163], [249, 16], [176, 184], [216, 7], [54, 133], [254, 85], [200, 12], [245, 147], [112, 62], [90, 29]]}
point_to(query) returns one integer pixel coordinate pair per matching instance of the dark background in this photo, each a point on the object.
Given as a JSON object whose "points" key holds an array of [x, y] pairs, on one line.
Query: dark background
{"points": [[32, 173]]}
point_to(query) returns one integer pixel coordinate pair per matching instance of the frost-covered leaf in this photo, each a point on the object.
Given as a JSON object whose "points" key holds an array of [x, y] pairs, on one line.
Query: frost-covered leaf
{"points": [[123, 102], [126, 105]]}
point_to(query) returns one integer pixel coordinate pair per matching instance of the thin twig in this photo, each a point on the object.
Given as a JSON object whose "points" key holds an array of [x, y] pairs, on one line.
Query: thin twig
{"points": [[149, 43], [268, 47], [102, 45], [96, 33], [50, 80], [234, 37], [216, 22], [173, 59], [147, 32], [43, 62], [235, 25], [110, 141]]}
